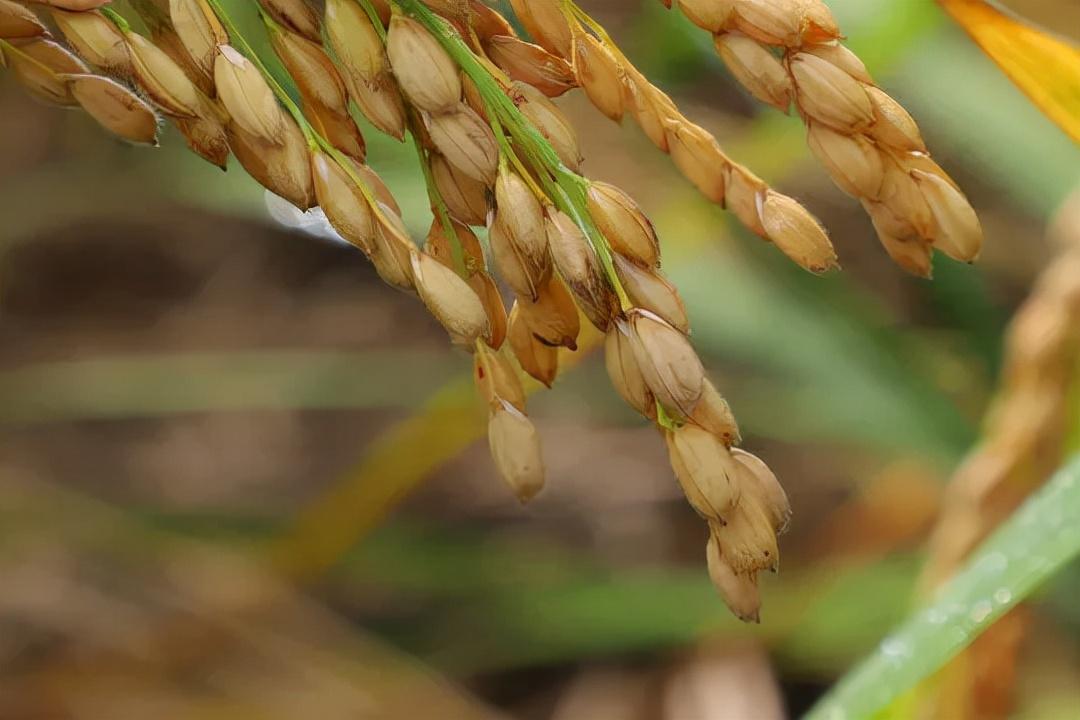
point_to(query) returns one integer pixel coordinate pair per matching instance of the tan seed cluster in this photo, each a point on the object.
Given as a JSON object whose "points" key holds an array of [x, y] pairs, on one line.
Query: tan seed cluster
{"points": [[595, 255], [788, 52], [654, 368], [58, 76], [618, 89]]}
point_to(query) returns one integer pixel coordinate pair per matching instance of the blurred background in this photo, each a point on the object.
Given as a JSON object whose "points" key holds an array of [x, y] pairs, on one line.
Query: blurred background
{"points": [[240, 477]]}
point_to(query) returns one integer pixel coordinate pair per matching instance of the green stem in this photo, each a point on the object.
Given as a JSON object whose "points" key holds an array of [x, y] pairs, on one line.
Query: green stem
{"points": [[663, 419], [116, 19], [373, 15], [507, 156]]}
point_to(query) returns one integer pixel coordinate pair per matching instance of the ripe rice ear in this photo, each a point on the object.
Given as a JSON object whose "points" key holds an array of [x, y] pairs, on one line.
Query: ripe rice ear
{"points": [[864, 138], [694, 151]]}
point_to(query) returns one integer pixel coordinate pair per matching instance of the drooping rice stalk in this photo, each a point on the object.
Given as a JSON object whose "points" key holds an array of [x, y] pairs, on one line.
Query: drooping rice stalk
{"points": [[476, 101]]}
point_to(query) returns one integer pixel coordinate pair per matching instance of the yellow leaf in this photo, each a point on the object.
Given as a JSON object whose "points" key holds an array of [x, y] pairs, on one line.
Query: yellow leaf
{"points": [[1045, 67]]}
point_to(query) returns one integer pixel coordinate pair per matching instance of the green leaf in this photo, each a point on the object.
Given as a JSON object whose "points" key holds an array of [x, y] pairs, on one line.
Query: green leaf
{"points": [[1036, 542]]}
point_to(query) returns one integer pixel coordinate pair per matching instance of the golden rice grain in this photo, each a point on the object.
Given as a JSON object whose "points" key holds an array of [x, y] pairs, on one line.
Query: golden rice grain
{"points": [[623, 370], [199, 30], [247, 96], [426, 73], [95, 39], [515, 447], [296, 15], [284, 169], [18, 22], [739, 591], [161, 78], [465, 197], [497, 380], [343, 201], [531, 64], [670, 367], [580, 268], [39, 65], [116, 108], [450, 300], [537, 359], [623, 224], [705, 470], [466, 142]]}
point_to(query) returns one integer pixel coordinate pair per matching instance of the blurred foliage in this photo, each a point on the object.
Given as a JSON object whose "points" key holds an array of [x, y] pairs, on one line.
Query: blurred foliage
{"points": [[1032, 546], [867, 372]]}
